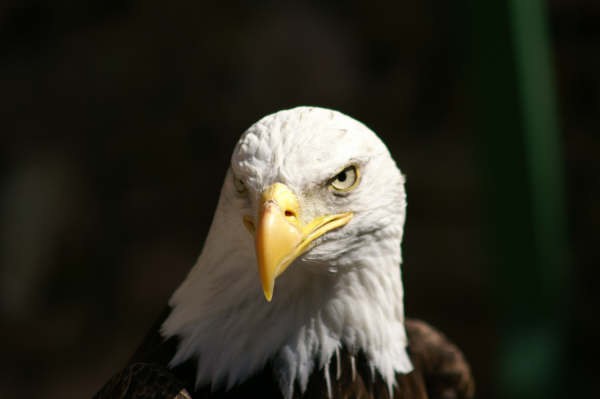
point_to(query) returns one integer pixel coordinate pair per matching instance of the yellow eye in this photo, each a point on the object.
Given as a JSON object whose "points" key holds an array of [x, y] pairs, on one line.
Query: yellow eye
{"points": [[346, 180]]}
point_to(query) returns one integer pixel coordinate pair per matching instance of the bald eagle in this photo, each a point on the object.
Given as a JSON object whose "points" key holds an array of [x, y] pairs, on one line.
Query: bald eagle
{"points": [[314, 202]]}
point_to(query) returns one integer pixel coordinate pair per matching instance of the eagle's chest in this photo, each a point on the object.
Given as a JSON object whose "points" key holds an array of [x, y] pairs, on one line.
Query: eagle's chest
{"points": [[346, 377]]}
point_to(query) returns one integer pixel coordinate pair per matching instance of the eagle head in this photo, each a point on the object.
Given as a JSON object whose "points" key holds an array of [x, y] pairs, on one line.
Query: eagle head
{"points": [[310, 218]]}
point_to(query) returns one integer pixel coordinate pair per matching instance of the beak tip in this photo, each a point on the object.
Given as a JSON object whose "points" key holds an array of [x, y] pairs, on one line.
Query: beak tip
{"points": [[268, 295], [268, 286]]}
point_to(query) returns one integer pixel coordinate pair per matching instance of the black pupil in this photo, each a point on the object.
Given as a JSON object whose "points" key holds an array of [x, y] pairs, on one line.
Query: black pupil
{"points": [[342, 176]]}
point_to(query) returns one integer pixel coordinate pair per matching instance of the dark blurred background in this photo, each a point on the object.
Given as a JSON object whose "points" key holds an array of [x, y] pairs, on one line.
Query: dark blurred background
{"points": [[118, 119]]}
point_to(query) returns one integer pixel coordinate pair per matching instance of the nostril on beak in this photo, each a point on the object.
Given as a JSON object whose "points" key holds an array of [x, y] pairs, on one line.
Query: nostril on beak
{"points": [[290, 214]]}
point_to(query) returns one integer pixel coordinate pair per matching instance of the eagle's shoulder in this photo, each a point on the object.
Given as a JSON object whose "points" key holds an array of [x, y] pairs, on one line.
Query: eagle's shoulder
{"points": [[147, 374], [444, 368], [144, 381]]}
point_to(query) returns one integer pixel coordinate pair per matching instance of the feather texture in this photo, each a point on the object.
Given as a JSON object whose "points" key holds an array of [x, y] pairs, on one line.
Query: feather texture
{"points": [[440, 372]]}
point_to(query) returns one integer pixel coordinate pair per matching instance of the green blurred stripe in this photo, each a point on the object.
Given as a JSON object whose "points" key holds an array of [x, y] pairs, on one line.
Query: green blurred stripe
{"points": [[516, 123], [542, 141]]}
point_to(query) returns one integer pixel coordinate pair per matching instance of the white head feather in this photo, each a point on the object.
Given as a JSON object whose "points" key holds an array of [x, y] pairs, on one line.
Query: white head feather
{"points": [[346, 290]]}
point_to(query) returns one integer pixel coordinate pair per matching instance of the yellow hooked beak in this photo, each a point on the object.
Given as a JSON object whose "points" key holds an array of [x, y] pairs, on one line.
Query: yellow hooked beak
{"points": [[280, 235]]}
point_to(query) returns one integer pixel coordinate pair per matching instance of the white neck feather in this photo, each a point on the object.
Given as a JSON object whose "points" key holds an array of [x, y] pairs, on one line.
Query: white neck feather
{"points": [[222, 319]]}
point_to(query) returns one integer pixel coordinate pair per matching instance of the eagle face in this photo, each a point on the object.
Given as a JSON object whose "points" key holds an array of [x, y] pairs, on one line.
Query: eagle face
{"points": [[313, 187]]}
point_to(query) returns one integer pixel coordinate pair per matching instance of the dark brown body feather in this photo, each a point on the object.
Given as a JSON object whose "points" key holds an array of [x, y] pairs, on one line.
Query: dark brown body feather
{"points": [[440, 371]]}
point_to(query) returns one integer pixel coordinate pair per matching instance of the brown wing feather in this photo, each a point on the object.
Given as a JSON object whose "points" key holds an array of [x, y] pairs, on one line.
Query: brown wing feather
{"points": [[446, 372]]}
